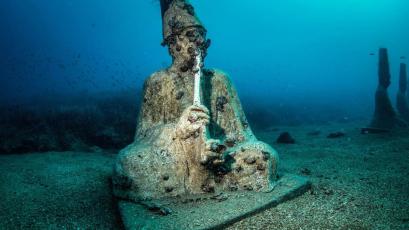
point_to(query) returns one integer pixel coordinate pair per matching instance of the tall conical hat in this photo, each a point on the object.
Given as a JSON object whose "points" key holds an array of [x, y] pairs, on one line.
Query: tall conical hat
{"points": [[179, 16]]}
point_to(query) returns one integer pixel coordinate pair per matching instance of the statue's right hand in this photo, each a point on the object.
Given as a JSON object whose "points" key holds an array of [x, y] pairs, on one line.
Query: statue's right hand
{"points": [[193, 120]]}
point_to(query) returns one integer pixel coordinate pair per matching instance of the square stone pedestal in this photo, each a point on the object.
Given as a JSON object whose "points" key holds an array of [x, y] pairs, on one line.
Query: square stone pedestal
{"points": [[211, 212]]}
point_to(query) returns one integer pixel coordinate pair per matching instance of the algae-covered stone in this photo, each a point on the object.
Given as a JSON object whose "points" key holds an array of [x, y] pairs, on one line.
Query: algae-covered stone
{"points": [[182, 147], [385, 116], [401, 101]]}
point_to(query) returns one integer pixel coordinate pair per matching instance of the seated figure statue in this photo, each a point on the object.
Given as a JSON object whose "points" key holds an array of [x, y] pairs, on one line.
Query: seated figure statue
{"points": [[182, 148]]}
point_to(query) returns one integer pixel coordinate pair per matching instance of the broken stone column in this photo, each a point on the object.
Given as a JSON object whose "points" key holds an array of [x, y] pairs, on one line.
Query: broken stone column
{"points": [[183, 149], [407, 87], [385, 117], [401, 101]]}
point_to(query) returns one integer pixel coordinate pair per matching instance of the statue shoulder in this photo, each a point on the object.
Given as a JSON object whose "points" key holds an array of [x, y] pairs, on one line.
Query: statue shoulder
{"points": [[217, 73], [158, 79], [157, 76], [218, 76]]}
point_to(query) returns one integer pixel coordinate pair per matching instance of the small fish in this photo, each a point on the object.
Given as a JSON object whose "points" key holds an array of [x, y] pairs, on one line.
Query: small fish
{"points": [[371, 54], [402, 57]]}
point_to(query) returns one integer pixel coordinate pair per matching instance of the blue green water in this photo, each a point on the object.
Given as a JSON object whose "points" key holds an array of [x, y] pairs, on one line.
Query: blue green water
{"points": [[292, 52], [72, 71]]}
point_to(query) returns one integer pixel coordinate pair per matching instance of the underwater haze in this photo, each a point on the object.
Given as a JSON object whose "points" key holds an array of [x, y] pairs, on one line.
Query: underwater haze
{"points": [[306, 72], [294, 52]]}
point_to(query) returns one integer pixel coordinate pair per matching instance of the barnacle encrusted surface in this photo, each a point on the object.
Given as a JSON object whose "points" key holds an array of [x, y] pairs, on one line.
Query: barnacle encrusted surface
{"points": [[181, 148], [173, 155]]}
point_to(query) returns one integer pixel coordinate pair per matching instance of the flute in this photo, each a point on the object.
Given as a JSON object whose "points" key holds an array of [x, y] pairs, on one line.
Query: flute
{"points": [[198, 73]]}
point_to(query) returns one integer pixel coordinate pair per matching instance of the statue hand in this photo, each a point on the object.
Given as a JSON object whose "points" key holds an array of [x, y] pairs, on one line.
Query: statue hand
{"points": [[193, 121], [213, 156]]}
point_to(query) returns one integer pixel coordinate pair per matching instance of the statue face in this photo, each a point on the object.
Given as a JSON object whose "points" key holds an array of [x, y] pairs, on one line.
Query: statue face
{"points": [[185, 46]]}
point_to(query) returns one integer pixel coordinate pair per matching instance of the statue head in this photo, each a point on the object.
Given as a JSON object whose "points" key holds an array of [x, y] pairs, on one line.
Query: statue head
{"points": [[184, 35]]}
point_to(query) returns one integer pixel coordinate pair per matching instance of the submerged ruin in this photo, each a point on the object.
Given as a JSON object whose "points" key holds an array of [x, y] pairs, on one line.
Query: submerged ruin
{"points": [[385, 117], [401, 99], [182, 147], [193, 138]]}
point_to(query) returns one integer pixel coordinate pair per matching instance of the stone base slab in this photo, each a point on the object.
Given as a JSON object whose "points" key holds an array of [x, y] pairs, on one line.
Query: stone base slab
{"points": [[210, 212]]}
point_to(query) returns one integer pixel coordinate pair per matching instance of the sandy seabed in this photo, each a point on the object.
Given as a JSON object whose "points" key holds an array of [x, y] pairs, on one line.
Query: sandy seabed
{"points": [[359, 182]]}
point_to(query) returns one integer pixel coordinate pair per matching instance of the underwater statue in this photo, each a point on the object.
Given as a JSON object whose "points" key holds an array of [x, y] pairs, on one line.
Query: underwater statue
{"points": [[401, 100], [192, 136], [385, 117]]}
